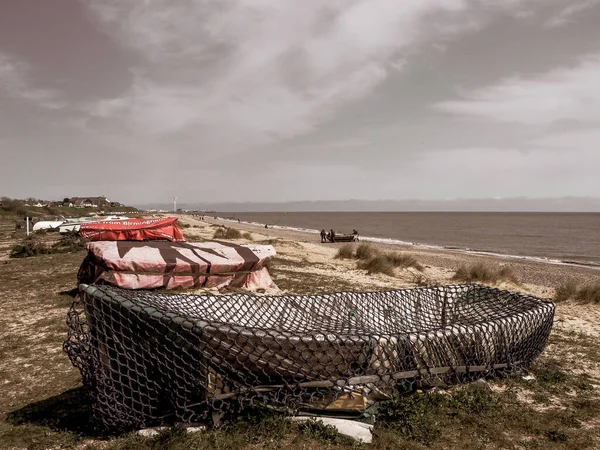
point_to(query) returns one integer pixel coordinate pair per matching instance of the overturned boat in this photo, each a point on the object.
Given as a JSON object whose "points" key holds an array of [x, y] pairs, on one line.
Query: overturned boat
{"points": [[153, 357]]}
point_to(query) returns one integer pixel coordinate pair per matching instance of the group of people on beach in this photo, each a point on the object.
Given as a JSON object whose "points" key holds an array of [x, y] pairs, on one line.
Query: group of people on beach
{"points": [[330, 236]]}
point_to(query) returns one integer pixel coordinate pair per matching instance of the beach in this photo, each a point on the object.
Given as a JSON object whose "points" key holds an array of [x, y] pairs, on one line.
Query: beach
{"points": [[43, 402], [306, 266]]}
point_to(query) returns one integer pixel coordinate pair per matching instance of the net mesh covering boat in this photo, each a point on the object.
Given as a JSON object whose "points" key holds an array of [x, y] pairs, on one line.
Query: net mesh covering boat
{"points": [[154, 357]]}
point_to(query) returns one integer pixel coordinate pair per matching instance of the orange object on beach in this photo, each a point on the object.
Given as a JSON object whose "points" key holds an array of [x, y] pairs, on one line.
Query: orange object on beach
{"points": [[133, 230]]}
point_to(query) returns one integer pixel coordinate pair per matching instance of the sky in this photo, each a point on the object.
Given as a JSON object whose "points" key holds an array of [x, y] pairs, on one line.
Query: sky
{"points": [[277, 101]]}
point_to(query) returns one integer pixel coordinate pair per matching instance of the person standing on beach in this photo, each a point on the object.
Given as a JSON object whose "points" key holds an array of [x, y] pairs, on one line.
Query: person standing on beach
{"points": [[332, 235], [323, 235]]}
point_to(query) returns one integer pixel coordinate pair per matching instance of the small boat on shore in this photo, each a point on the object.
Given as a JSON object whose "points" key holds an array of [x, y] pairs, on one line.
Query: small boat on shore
{"points": [[345, 238], [332, 236], [47, 225]]}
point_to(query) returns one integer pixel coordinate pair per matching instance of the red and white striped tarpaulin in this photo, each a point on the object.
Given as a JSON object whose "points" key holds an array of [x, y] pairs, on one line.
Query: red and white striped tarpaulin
{"points": [[156, 264], [133, 230]]}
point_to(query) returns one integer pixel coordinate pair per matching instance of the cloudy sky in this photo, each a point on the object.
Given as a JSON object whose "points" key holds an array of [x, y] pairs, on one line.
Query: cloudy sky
{"points": [[240, 100]]}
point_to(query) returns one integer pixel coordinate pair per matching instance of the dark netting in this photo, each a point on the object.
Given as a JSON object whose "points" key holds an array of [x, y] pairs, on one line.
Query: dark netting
{"points": [[149, 358]]}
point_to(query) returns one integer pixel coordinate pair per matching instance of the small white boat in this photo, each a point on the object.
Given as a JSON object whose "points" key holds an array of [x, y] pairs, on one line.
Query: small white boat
{"points": [[46, 225]]}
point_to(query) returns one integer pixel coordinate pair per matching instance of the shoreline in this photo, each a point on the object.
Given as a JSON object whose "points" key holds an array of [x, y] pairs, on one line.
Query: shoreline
{"points": [[424, 246], [541, 277]]}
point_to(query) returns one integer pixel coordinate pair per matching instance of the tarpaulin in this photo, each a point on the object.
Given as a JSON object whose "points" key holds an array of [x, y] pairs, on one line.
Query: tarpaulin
{"points": [[156, 264], [133, 230]]}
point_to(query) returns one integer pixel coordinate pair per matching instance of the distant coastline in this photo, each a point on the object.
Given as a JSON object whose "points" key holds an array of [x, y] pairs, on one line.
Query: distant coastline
{"points": [[550, 205]]}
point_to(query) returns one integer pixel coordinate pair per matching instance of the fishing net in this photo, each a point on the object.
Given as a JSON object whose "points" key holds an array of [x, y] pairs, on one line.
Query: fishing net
{"points": [[149, 358]]}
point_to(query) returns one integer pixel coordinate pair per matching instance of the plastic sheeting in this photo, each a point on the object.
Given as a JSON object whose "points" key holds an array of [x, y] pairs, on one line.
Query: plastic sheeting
{"points": [[149, 265], [133, 230]]}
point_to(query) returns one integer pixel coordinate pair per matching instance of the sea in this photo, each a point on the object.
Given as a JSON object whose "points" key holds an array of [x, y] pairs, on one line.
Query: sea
{"points": [[572, 238]]}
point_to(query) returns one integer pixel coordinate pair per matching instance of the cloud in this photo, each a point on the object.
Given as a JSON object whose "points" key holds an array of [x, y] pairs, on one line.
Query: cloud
{"points": [[571, 93], [224, 75], [15, 82], [565, 16]]}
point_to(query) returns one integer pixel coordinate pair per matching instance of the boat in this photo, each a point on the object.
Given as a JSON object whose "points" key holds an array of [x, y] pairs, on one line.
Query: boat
{"points": [[73, 225], [47, 225], [185, 356], [345, 238]]}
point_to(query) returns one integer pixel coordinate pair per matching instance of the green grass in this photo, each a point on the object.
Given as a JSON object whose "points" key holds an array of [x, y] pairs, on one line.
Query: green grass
{"points": [[33, 246]]}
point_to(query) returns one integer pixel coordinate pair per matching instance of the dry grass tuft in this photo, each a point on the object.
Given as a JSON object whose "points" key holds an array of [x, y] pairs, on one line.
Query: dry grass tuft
{"points": [[365, 252], [345, 252], [377, 264], [484, 273], [227, 233], [565, 291], [586, 293], [589, 293], [403, 260], [247, 236]]}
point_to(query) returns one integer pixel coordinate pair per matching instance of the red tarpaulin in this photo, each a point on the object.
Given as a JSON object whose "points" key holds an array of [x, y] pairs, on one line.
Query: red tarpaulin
{"points": [[133, 230]]}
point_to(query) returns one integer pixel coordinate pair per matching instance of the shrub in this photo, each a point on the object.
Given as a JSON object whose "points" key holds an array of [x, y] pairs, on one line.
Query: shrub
{"points": [[377, 264], [28, 247], [565, 291], [227, 233], [345, 252], [484, 273], [31, 246], [589, 293], [68, 243], [247, 236], [422, 280], [313, 429], [13, 206], [403, 260], [365, 251]]}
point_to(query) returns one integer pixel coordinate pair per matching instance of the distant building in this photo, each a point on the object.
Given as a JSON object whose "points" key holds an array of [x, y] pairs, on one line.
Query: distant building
{"points": [[89, 202]]}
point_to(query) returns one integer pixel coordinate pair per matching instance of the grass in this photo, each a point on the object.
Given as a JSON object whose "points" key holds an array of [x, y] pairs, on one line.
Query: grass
{"points": [[403, 260], [421, 280], [565, 291], [365, 251], [585, 293], [345, 252], [29, 247], [247, 236], [484, 273], [377, 264], [227, 233], [374, 261], [33, 246]]}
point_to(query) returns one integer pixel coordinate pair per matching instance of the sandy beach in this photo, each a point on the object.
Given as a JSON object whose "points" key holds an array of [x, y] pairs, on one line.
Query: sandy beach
{"points": [[304, 265], [43, 401]]}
